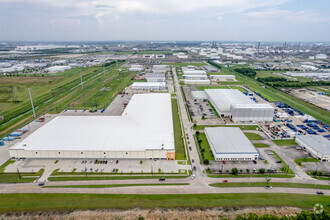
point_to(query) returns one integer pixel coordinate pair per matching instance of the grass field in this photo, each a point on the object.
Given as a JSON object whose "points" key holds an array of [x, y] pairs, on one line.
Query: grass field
{"points": [[15, 177], [260, 145], [243, 127], [273, 184], [285, 142], [299, 161], [204, 145], [68, 202], [117, 185], [222, 87], [178, 136], [251, 175], [113, 177], [253, 136]]}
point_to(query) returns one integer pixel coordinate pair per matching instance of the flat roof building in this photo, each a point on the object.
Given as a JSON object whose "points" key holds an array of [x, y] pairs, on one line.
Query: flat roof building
{"points": [[230, 144], [149, 86], [195, 77], [233, 103], [143, 131], [317, 145], [155, 77], [223, 77], [197, 81], [194, 72]]}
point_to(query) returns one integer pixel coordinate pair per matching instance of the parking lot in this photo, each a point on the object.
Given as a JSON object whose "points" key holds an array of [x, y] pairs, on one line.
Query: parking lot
{"points": [[92, 165], [200, 110]]}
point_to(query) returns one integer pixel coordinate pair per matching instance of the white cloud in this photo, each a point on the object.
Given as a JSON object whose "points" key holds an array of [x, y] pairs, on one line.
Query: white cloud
{"points": [[219, 18], [64, 22]]}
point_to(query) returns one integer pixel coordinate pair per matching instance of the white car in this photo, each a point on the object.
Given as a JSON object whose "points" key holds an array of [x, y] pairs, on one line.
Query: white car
{"points": [[298, 173], [192, 176]]}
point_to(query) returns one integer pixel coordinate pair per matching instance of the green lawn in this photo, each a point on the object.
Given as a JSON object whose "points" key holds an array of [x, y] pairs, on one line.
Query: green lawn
{"points": [[273, 184], [285, 142], [36, 203], [251, 175], [222, 87], [299, 161], [204, 145], [178, 136], [253, 136], [243, 127], [117, 185], [113, 177], [260, 145]]}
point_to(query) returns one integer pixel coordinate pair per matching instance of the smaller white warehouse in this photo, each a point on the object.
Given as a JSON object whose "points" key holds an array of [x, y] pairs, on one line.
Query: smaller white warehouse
{"points": [[159, 68], [195, 77], [149, 86], [153, 77], [223, 77], [136, 68], [233, 103], [194, 72], [317, 145], [230, 144], [197, 82]]}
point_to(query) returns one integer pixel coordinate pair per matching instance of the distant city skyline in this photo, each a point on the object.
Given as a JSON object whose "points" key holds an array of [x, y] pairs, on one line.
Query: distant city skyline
{"points": [[167, 20]]}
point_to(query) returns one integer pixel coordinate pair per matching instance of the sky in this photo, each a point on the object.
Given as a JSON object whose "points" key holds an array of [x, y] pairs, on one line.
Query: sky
{"points": [[165, 20]]}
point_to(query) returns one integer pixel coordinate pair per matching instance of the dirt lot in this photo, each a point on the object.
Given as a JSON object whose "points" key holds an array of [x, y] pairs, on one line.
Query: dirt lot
{"points": [[322, 101]]}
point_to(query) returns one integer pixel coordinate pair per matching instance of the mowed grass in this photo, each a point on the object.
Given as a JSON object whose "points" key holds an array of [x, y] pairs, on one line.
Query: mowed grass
{"points": [[260, 145], [67, 202], [115, 177], [117, 185], [273, 184], [242, 127], [178, 136], [253, 136], [205, 145], [299, 161], [285, 142], [15, 177]]}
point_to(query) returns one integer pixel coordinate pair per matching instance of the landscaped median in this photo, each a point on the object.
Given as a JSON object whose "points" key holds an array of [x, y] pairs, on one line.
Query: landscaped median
{"points": [[273, 184], [78, 176], [299, 161], [18, 177], [117, 185], [64, 202]]}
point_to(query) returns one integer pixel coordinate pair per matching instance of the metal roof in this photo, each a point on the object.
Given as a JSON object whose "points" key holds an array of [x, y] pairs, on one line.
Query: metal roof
{"points": [[226, 140], [316, 142], [146, 123]]}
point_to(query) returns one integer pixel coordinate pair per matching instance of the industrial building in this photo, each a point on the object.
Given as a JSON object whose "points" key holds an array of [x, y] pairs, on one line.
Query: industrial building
{"points": [[195, 77], [153, 77], [317, 145], [136, 68], [194, 72], [230, 143], [223, 77], [149, 86], [197, 82], [233, 103], [143, 131], [159, 68]]}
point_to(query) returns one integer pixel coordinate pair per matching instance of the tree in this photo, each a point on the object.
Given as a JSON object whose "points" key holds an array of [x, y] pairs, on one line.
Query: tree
{"points": [[197, 132], [200, 141], [203, 150], [247, 170], [206, 161], [262, 171], [234, 171], [268, 180]]}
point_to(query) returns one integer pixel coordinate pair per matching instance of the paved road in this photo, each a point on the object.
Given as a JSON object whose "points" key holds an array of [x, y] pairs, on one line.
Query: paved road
{"points": [[188, 130]]}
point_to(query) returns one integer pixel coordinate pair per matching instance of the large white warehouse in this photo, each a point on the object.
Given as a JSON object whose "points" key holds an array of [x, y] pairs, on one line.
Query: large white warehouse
{"points": [[233, 103], [155, 77], [230, 144], [317, 145], [149, 86], [194, 72], [143, 131]]}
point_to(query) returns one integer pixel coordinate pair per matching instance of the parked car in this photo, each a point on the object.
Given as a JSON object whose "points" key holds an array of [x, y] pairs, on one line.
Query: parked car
{"points": [[298, 173], [117, 161], [194, 168], [192, 160], [192, 176], [190, 148], [254, 161], [224, 162]]}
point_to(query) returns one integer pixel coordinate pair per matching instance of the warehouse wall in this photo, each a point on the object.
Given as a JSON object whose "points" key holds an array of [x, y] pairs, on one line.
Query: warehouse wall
{"points": [[154, 154], [251, 114]]}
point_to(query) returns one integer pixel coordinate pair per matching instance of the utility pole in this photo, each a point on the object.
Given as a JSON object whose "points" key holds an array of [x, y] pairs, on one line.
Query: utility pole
{"points": [[82, 86], [34, 113]]}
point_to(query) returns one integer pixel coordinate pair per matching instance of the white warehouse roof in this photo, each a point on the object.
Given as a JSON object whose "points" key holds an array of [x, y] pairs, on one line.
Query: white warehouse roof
{"points": [[223, 98], [145, 124], [316, 142], [194, 72], [226, 140]]}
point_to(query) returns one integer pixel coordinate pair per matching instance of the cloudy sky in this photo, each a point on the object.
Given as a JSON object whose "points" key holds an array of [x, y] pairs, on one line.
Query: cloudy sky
{"points": [[236, 20]]}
